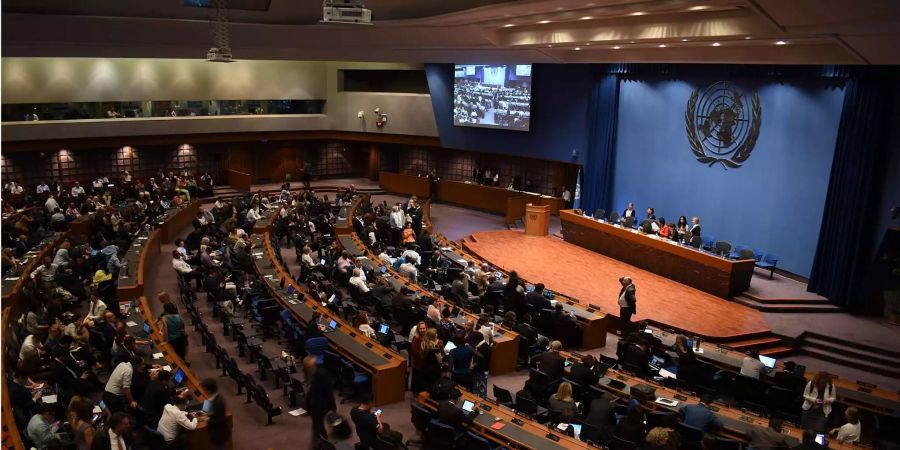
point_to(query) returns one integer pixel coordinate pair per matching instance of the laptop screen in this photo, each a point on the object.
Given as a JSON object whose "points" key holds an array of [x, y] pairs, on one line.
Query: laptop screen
{"points": [[332, 324], [179, 376], [331, 299], [768, 362], [577, 428], [322, 262], [290, 289], [468, 406], [146, 328], [383, 269], [383, 329]]}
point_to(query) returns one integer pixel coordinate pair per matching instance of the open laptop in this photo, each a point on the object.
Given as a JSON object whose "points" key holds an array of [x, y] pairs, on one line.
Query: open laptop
{"points": [[767, 361], [179, 377], [468, 406], [383, 329], [290, 289], [331, 326]]}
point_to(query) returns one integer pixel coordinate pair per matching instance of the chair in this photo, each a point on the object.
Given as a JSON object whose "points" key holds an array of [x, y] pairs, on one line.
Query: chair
{"points": [[689, 434], [727, 444], [613, 216], [723, 247], [747, 253], [600, 213], [736, 251], [357, 382], [439, 436], [325, 444], [617, 443], [769, 262], [695, 241], [660, 418], [629, 222], [782, 400], [503, 396], [528, 406], [590, 433], [476, 442], [708, 243]]}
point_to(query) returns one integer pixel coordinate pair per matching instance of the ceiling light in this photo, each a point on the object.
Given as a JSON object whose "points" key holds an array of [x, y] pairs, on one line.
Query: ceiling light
{"points": [[550, 45], [716, 44], [509, 25], [662, 45], [616, 47], [577, 48], [747, 37], [587, 43], [631, 42], [637, 13], [544, 21], [684, 40], [698, 8], [586, 18], [781, 43]]}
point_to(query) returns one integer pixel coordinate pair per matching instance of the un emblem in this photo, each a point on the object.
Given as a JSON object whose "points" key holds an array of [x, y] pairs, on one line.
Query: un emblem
{"points": [[720, 127]]}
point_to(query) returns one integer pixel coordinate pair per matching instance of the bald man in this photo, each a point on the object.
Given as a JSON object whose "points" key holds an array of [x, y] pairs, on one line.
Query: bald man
{"points": [[627, 304]]}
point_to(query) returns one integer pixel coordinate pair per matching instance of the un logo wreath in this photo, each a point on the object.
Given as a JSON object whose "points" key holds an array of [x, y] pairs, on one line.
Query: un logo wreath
{"points": [[726, 134]]}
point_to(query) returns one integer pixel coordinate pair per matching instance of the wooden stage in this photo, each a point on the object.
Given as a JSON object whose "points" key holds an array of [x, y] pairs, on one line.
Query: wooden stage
{"points": [[592, 277]]}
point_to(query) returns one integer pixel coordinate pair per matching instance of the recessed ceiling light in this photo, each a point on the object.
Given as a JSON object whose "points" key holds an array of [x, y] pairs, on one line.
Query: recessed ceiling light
{"points": [[662, 45], [587, 43], [577, 48], [716, 44], [781, 43], [631, 42], [509, 25], [586, 18], [559, 8], [544, 21], [616, 47], [698, 8], [684, 40], [747, 37], [549, 45], [590, 4], [637, 13]]}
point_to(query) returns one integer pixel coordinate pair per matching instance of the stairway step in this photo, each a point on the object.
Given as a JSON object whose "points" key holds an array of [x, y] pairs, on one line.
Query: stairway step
{"points": [[776, 351], [882, 358], [810, 301], [858, 363], [787, 307], [755, 343], [853, 345]]}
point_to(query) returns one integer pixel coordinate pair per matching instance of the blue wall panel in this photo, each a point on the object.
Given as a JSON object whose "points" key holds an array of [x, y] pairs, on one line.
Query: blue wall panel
{"points": [[559, 100], [773, 203]]}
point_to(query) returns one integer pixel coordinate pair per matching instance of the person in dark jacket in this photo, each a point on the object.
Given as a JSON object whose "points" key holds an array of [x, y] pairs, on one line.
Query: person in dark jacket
{"points": [[319, 397], [452, 414], [631, 427], [583, 372], [217, 425], [551, 362]]}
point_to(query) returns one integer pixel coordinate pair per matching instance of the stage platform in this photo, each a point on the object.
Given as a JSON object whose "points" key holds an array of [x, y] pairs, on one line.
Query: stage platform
{"points": [[592, 277]]}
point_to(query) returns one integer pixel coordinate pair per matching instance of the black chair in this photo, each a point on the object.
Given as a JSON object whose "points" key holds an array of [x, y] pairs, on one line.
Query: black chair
{"points": [[439, 436], [528, 406], [503, 396], [613, 216], [689, 434], [590, 433], [727, 444], [660, 418], [600, 213], [325, 444], [617, 443], [384, 444], [476, 442]]}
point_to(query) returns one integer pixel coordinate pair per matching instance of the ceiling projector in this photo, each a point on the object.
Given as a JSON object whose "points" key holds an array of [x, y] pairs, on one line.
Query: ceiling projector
{"points": [[216, 54], [346, 11]]}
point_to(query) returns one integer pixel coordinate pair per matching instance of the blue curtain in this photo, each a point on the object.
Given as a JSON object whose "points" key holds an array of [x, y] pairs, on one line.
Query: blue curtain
{"points": [[599, 167], [847, 234]]}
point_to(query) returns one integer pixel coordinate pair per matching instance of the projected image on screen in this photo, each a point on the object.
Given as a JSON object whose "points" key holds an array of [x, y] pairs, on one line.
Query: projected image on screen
{"points": [[492, 96]]}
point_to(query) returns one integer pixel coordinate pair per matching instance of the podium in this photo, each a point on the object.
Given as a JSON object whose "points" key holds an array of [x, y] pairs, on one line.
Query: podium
{"points": [[537, 220]]}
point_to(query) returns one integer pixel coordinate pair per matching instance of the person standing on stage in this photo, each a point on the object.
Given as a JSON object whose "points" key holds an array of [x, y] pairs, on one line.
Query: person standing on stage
{"points": [[627, 304]]}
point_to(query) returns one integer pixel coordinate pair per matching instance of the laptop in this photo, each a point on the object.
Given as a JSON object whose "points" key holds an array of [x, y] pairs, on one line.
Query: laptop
{"points": [[290, 289], [146, 329], [656, 362], [449, 346], [577, 428], [767, 361], [178, 378], [383, 329], [468, 406], [332, 324], [322, 262]]}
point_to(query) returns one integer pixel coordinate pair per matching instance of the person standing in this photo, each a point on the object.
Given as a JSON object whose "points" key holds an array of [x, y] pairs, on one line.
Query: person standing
{"points": [[217, 423], [319, 398], [172, 327], [817, 399], [627, 304]]}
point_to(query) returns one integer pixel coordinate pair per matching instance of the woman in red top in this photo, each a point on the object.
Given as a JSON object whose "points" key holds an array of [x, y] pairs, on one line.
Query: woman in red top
{"points": [[418, 333], [664, 231]]}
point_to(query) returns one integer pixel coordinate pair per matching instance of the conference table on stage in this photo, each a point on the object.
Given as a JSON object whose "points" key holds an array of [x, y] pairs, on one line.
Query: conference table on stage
{"points": [[708, 272], [386, 367]]}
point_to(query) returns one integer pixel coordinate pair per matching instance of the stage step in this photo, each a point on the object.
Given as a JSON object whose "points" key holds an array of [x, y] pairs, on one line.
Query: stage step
{"points": [[755, 343], [881, 361], [776, 352], [798, 301], [798, 306]]}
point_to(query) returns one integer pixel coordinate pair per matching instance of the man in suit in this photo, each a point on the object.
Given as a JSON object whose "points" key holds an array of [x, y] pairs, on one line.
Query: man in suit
{"points": [[627, 304], [601, 415], [449, 413], [583, 372], [319, 397], [637, 355], [700, 416], [551, 363], [769, 437], [629, 212], [21, 246], [536, 298]]}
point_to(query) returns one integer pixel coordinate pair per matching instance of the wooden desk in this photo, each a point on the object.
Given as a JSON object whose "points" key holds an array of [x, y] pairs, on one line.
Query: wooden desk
{"points": [[880, 401], [404, 184], [386, 368], [505, 351], [12, 286], [529, 435], [13, 440], [197, 438], [144, 252], [705, 271], [489, 198], [737, 423]]}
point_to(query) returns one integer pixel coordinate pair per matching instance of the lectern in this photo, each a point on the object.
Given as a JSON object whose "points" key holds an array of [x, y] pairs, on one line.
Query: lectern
{"points": [[537, 219]]}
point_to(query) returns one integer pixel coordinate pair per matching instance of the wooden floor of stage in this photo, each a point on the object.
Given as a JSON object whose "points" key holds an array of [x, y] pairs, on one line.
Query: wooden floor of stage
{"points": [[594, 278]]}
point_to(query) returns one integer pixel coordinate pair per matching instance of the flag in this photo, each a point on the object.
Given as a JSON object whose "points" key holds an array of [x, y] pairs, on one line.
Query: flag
{"points": [[576, 204]]}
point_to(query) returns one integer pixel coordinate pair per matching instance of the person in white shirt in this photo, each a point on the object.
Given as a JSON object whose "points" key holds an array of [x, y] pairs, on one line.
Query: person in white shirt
{"points": [[117, 393], [752, 367], [396, 222], [14, 188], [184, 269], [42, 188], [77, 190], [253, 214], [307, 257], [850, 431], [174, 419], [362, 322], [567, 196], [385, 258], [96, 308], [358, 281], [97, 184], [412, 256], [51, 204], [409, 271]]}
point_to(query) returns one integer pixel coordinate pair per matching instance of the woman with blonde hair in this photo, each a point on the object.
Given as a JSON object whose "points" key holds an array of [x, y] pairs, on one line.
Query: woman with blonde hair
{"points": [[362, 322], [658, 439], [562, 402], [431, 357]]}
